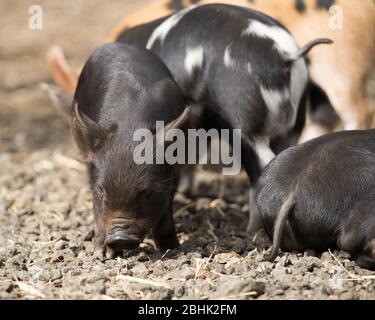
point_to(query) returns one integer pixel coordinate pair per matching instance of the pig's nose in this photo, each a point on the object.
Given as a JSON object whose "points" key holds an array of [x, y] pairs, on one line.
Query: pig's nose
{"points": [[122, 241]]}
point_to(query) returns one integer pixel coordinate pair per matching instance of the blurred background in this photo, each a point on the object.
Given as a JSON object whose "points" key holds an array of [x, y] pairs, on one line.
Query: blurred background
{"points": [[27, 118]]}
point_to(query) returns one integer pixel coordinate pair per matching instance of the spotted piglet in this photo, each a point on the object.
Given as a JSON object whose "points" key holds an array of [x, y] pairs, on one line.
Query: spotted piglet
{"points": [[244, 68]]}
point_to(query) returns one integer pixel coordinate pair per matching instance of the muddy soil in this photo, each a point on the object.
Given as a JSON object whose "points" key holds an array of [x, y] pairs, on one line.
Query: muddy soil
{"points": [[46, 221]]}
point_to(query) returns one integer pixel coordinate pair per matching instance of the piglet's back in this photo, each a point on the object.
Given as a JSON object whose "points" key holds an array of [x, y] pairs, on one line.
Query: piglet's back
{"points": [[324, 176]]}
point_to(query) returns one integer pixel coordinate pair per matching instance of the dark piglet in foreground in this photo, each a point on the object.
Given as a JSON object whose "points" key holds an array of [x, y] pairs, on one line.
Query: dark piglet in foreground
{"points": [[121, 89], [321, 195]]}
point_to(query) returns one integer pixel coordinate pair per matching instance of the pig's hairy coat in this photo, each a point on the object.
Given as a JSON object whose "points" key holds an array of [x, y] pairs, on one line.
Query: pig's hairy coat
{"points": [[322, 181], [121, 89]]}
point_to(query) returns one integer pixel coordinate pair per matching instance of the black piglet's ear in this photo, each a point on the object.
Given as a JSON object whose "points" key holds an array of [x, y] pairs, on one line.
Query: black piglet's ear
{"points": [[87, 134]]}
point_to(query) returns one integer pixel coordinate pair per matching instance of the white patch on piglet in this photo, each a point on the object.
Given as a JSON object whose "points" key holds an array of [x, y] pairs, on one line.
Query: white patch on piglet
{"points": [[161, 32], [263, 150], [284, 42], [249, 68], [274, 98], [193, 59], [298, 82], [229, 62], [286, 46]]}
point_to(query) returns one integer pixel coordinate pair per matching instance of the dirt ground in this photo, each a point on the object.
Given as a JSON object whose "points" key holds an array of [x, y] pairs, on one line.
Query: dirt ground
{"points": [[46, 221]]}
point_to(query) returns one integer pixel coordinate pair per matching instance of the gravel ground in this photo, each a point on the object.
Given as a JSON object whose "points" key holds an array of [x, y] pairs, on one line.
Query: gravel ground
{"points": [[46, 221], [46, 251]]}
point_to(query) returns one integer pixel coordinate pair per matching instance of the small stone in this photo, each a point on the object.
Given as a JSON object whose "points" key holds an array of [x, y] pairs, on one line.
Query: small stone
{"points": [[352, 295], [57, 258], [22, 275], [203, 204], [293, 259], [326, 257], [95, 287], [140, 270], [61, 244], [309, 253], [278, 292], [245, 208], [181, 199], [282, 262], [89, 236], [279, 272], [43, 276], [6, 286], [143, 257], [194, 255], [312, 263], [238, 288], [229, 270], [223, 258], [55, 274]]}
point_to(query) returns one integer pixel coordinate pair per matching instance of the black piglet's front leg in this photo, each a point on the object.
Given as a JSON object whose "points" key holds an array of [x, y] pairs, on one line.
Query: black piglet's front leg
{"points": [[164, 232]]}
